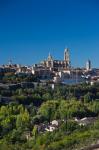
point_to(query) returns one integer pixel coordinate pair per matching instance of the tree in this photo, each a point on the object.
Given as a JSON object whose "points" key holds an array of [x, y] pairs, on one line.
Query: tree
{"points": [[48, 110], [35, 131], [47, 96], [88, 97], [23, 119]]}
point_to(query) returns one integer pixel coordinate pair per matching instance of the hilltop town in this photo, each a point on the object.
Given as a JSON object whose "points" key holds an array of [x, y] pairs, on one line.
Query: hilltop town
{"points": [[50, 105], [55, 71]]}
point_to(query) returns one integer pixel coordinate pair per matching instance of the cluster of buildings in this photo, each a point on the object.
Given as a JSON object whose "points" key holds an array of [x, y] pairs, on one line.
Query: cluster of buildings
{"points": [[55, 70], [55, 125], [60, 70]]}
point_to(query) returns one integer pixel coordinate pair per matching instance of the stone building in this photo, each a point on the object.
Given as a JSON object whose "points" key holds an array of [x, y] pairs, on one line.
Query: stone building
{"points": [[58, 64]]}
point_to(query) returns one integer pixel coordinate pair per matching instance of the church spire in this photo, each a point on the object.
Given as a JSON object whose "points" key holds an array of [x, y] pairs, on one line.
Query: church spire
{"points": [[50, 58]]}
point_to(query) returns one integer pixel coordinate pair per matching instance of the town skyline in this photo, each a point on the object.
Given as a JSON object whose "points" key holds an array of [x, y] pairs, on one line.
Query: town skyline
{"points": [[54, 58]]}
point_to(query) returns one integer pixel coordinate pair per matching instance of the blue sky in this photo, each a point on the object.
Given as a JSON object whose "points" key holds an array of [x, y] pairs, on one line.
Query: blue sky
{"points": [[30, 29]]}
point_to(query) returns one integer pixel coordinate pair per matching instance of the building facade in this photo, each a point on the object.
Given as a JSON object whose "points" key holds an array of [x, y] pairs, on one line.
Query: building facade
{"points": [[58, 64]]}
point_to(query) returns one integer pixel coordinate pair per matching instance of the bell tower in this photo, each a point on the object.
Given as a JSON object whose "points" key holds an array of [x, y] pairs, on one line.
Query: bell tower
{"points": [[67, 57]]}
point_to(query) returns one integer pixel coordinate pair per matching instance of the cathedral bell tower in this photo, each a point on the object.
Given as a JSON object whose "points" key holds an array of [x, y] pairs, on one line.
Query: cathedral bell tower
{"points": [[49, 61], [67, 57]]}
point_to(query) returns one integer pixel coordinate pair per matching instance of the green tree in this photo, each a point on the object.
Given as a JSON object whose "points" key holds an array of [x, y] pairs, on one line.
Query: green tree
{"points": [[48, 110], [87, 97], [23, 119]]}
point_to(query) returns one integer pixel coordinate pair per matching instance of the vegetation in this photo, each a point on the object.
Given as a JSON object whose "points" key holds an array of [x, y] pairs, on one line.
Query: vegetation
{"points": [[24, 110]]}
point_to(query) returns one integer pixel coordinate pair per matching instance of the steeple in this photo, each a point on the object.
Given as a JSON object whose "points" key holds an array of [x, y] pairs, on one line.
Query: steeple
{"points": [[50, 58]]}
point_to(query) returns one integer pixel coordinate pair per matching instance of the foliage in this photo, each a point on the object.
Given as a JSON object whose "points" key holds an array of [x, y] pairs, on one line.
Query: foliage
{"points": [[24, 110]]}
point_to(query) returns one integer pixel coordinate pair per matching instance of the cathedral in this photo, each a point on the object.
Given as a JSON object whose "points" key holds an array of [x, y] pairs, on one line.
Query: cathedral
{"points": [[58, 64]]}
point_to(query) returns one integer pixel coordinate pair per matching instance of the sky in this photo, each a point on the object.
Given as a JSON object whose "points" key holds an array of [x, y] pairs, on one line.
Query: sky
{"points": [[30, 29]]}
